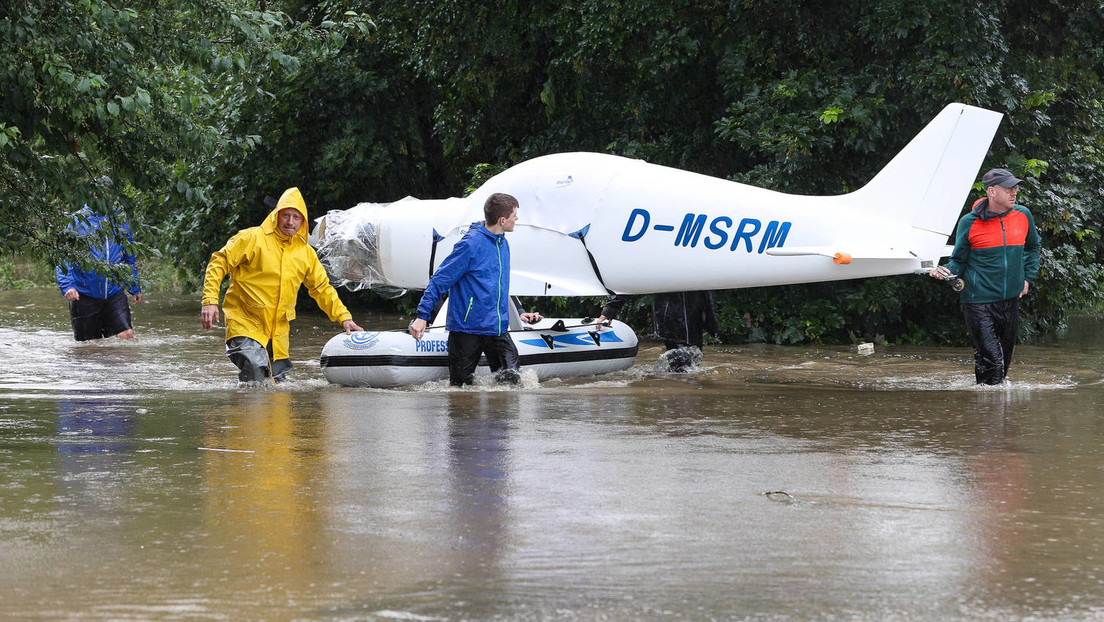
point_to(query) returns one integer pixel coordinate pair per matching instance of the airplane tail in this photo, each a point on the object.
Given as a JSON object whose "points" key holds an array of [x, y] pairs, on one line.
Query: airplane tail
{"points": [[928, 182]]}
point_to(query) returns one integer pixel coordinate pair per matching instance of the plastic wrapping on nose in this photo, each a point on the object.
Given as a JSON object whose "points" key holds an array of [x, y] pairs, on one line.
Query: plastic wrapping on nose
{"points": [[348, 245]]}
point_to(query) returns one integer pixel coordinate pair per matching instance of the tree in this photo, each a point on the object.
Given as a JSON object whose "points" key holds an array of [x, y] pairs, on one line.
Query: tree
{"points": [[305, 105], [202, 107], [810, 98], [137, 93], [824, 94]]}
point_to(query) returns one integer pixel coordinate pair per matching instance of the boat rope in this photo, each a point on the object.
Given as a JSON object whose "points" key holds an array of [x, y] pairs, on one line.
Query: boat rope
{"points": [[437, 237], [558, 327], [581, 236]]}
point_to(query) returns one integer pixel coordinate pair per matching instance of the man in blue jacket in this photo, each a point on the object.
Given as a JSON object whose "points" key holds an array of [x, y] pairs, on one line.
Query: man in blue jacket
{"points": [[476, 276], [97, 305]]}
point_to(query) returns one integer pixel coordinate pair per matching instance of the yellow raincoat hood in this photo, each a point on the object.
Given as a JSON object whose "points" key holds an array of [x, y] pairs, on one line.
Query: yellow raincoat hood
{"points": [[266, 270], [291, 198]]}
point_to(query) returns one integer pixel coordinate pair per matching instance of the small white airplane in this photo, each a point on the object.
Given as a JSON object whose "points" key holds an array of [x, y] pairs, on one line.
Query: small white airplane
{"points": [[594, 224]]}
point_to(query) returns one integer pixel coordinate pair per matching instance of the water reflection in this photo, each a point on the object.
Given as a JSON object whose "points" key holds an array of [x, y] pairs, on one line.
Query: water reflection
{"points": [[478, 468], [92, 426], [95, 448], [141, 483], [257, 467]]}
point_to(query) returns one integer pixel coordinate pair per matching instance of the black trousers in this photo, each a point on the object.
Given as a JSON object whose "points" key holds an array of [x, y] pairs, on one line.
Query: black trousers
{"points": [[682, 317], [992, 327], [465, 350], [96, 318]]}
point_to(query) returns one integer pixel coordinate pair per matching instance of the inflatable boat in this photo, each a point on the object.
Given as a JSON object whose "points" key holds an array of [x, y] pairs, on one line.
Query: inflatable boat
{"points": [[554, 348]]}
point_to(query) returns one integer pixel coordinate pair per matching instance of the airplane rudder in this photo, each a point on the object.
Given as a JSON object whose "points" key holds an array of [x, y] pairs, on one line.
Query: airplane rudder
{"points": [[931, 176]]}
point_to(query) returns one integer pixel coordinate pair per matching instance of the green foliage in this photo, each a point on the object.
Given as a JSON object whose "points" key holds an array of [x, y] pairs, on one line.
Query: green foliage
{"points": [[92, 89], [20, 272], [335, 118], [200, 108], [821, 96], [17, 272], [479, 174], [512, 80], [803, 98], [903, 309]]}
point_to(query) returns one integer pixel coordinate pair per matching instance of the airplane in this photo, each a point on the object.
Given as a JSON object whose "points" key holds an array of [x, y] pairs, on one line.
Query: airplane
{"points": [[596, 224]]}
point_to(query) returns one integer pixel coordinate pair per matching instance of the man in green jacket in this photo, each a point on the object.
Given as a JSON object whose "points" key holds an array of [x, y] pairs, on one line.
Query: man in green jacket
{"points": [[996, 254]]}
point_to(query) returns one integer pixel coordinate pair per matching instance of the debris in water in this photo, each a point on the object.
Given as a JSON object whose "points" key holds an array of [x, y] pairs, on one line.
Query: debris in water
{"points": [[402, 615], [679, 360]]}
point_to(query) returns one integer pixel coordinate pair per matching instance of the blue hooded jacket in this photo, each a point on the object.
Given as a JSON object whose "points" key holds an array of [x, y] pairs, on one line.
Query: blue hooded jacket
{"points": [[476, 275], [89, 224]]}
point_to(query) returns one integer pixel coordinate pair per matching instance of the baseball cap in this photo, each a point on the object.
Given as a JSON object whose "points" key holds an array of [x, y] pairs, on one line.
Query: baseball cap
{"points": [[1000, 177]]}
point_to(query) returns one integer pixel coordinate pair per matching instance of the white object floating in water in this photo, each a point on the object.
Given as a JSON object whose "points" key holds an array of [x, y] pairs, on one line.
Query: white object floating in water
{"points": [[553, 348], [404, 615], [865, 349]]}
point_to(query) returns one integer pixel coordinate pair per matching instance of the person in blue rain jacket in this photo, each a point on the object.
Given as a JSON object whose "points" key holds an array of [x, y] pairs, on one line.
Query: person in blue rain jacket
{"points": [[98, 306], [476, 278]]}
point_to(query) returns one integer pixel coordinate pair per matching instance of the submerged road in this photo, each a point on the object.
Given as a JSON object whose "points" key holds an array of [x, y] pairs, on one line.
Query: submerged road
{"points": [[806, 483]]}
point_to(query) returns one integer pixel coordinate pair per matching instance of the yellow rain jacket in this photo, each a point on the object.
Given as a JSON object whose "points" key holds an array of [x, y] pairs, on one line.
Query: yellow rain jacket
{"points": [[266, 269]]}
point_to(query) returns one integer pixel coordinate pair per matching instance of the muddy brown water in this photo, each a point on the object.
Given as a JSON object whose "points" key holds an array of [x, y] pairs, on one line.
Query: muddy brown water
{"points": [[139, 482]]}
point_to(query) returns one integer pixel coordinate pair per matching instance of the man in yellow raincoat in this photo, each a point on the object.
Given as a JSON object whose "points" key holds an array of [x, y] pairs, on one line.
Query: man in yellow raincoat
{"points": [[267, 265]]}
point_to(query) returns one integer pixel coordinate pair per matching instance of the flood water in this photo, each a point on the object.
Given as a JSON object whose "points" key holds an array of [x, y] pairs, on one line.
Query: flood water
{"points": [[139, 482]]}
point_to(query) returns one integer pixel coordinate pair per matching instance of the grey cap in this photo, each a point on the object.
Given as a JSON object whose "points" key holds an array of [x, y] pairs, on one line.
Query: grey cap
{"points": [[1000, 177]]}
